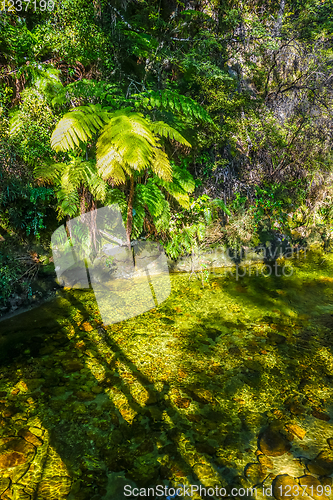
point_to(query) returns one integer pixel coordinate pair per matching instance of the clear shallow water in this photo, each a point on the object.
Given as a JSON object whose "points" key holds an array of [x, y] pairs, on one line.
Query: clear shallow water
{"points": [[229, 384]]}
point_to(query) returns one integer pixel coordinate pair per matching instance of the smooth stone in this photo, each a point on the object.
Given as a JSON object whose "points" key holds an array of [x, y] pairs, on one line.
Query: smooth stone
{"points": [[322, 465], [273, 443], [312, 483], [283, 487], [321, 415], [296, 430]]}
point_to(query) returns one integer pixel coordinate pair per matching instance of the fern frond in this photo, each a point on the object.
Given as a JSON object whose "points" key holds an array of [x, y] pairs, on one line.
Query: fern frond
{"points": [[16, 123], [162, 221], [179, 195], [97, 186], [182, 184], [160, 165], [183, 178], [165, 130], [115, 195], [220, 204], [174, 102], [126, 142], [150, 196], [51, 173], [138, 220], [68, 203], [77, 126]]}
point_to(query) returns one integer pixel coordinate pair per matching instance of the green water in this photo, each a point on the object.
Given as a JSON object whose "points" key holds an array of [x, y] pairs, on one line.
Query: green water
{"points": [[227, 384]]}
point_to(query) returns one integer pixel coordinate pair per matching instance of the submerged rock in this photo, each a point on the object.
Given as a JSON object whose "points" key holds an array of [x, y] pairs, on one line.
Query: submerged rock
{"points": [[296, 430], [322, 465], [273, 443], [30, 437], [313, 487], [265, 461], [15, 451], [283, 487], [255, 473], [54, 488], [321, 415]]}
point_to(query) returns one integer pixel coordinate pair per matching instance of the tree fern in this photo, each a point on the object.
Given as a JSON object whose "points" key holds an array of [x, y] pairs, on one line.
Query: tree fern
{"points": [[78, 126], [127, 143], [68, 178]]}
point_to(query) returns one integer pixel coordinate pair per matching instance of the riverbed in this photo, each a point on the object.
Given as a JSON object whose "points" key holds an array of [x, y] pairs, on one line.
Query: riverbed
{"points": [[227, 383]]}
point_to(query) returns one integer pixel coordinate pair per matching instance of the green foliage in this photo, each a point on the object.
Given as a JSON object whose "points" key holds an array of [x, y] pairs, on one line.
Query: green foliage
{"points": [[171, 101], [269, 202], [189, 229], [127, 141], [185, 240], [248, 88], [30, 127], [149, 197], [25, 208], [128, 144], [77, 127], [10, 272], [68, 178]]}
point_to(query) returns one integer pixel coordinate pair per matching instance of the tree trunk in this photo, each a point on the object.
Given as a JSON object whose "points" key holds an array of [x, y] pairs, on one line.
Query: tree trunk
{"points": [[82, 200], [130, 212]]}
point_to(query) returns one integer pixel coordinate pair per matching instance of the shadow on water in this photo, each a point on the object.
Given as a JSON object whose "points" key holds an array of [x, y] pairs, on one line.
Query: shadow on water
{"points": [[214, 387]]}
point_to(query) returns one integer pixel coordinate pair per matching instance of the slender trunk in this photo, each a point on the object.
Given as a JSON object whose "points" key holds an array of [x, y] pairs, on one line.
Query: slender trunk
{"points": [[130, 212], [83, 200]]}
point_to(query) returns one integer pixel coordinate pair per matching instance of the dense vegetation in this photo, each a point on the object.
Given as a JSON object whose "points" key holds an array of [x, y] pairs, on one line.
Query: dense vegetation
{"points": [[208, 122]]}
